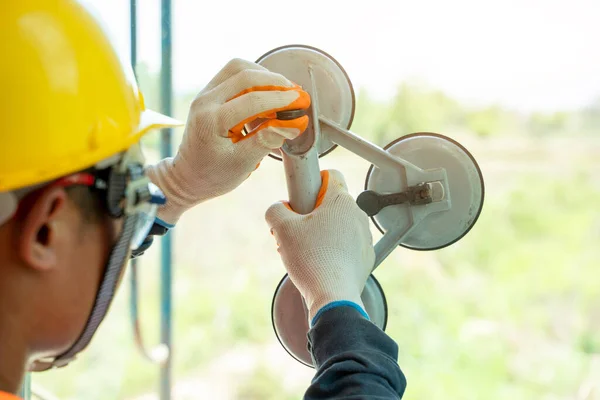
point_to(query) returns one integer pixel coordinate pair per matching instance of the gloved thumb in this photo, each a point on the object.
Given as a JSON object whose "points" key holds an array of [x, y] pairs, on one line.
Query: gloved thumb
{"points": [[271, 134], [262, 142], [279, 213], [332, 185], [274, 137]]}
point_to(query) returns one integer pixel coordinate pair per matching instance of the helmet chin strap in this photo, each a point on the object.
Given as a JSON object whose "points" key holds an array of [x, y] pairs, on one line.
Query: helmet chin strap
{"points": [[121, 185], [117, 260]]}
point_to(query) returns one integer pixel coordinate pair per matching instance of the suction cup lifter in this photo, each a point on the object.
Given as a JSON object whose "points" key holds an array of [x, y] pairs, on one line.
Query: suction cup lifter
{"points": [[372, 202], [399, 174], [423, 191], [290, 114]]}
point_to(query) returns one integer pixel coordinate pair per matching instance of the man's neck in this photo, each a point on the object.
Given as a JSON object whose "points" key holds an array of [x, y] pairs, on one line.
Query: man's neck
{"points": [[14, 358], [14, 349], [11, 375]]}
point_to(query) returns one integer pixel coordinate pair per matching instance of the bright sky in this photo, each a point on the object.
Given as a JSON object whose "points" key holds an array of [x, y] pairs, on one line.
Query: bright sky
{"points": [[526, 54]]}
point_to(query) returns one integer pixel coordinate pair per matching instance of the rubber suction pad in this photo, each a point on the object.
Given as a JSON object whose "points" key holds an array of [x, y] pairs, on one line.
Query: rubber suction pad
{"points": [[290, 317], [335, 91], [465, 183]]}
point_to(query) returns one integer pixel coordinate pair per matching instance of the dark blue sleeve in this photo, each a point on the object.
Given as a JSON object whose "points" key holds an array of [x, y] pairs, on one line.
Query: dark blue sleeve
{"points": [[354, 359]]}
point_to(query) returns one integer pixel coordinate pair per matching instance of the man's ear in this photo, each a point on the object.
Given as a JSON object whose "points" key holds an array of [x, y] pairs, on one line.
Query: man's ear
{"points": [[40, 227]]}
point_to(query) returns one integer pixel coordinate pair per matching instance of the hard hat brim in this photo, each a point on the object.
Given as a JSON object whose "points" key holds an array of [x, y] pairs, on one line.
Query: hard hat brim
{"points": [[149, 120], [153, 120]]}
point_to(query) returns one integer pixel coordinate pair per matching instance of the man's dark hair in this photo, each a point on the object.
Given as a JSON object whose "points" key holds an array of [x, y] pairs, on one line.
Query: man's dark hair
{"points": [[88, 202]]}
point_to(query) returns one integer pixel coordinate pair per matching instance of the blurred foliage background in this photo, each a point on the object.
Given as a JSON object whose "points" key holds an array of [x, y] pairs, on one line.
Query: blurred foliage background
{"points": [[511, 312]]}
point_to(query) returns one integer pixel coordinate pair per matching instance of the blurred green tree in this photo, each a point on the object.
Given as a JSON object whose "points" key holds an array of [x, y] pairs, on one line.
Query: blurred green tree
{"points": [[493, 121], [416, 108], [544, 124]]}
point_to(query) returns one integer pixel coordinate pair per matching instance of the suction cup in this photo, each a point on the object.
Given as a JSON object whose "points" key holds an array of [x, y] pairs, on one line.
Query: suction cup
{"points": [[290, 320], [335, 91], [465, 183]]}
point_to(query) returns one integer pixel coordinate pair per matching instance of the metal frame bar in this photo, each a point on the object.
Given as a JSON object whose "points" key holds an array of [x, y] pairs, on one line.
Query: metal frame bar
{"points": [[161, 354], [25, 392], [166, 96]]}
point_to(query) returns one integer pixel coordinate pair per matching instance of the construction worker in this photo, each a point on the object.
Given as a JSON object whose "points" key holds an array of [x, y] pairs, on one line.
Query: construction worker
{"points": [[76, 200]]}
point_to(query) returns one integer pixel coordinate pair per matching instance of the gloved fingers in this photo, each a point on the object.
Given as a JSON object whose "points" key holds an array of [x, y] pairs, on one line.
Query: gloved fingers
{"points": [[272, 133], [251, 80], [332, 185], [235, 114], [231, 69]]}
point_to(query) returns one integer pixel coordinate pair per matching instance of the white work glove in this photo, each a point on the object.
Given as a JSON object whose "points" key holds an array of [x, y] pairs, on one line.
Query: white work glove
{"points": [[328, 253], [215, 156]]}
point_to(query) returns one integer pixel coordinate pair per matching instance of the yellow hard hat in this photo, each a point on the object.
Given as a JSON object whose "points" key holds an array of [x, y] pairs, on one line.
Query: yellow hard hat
{"points": [[68, 101]]}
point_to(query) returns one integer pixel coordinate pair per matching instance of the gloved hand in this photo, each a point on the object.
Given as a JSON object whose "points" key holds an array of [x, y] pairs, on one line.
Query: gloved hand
{"points": [[215, 156], [328, 253]]}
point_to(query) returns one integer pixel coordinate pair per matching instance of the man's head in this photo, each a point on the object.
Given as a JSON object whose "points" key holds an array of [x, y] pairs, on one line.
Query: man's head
{"points": [[73, 195], [52, 257], [63, 249]]}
